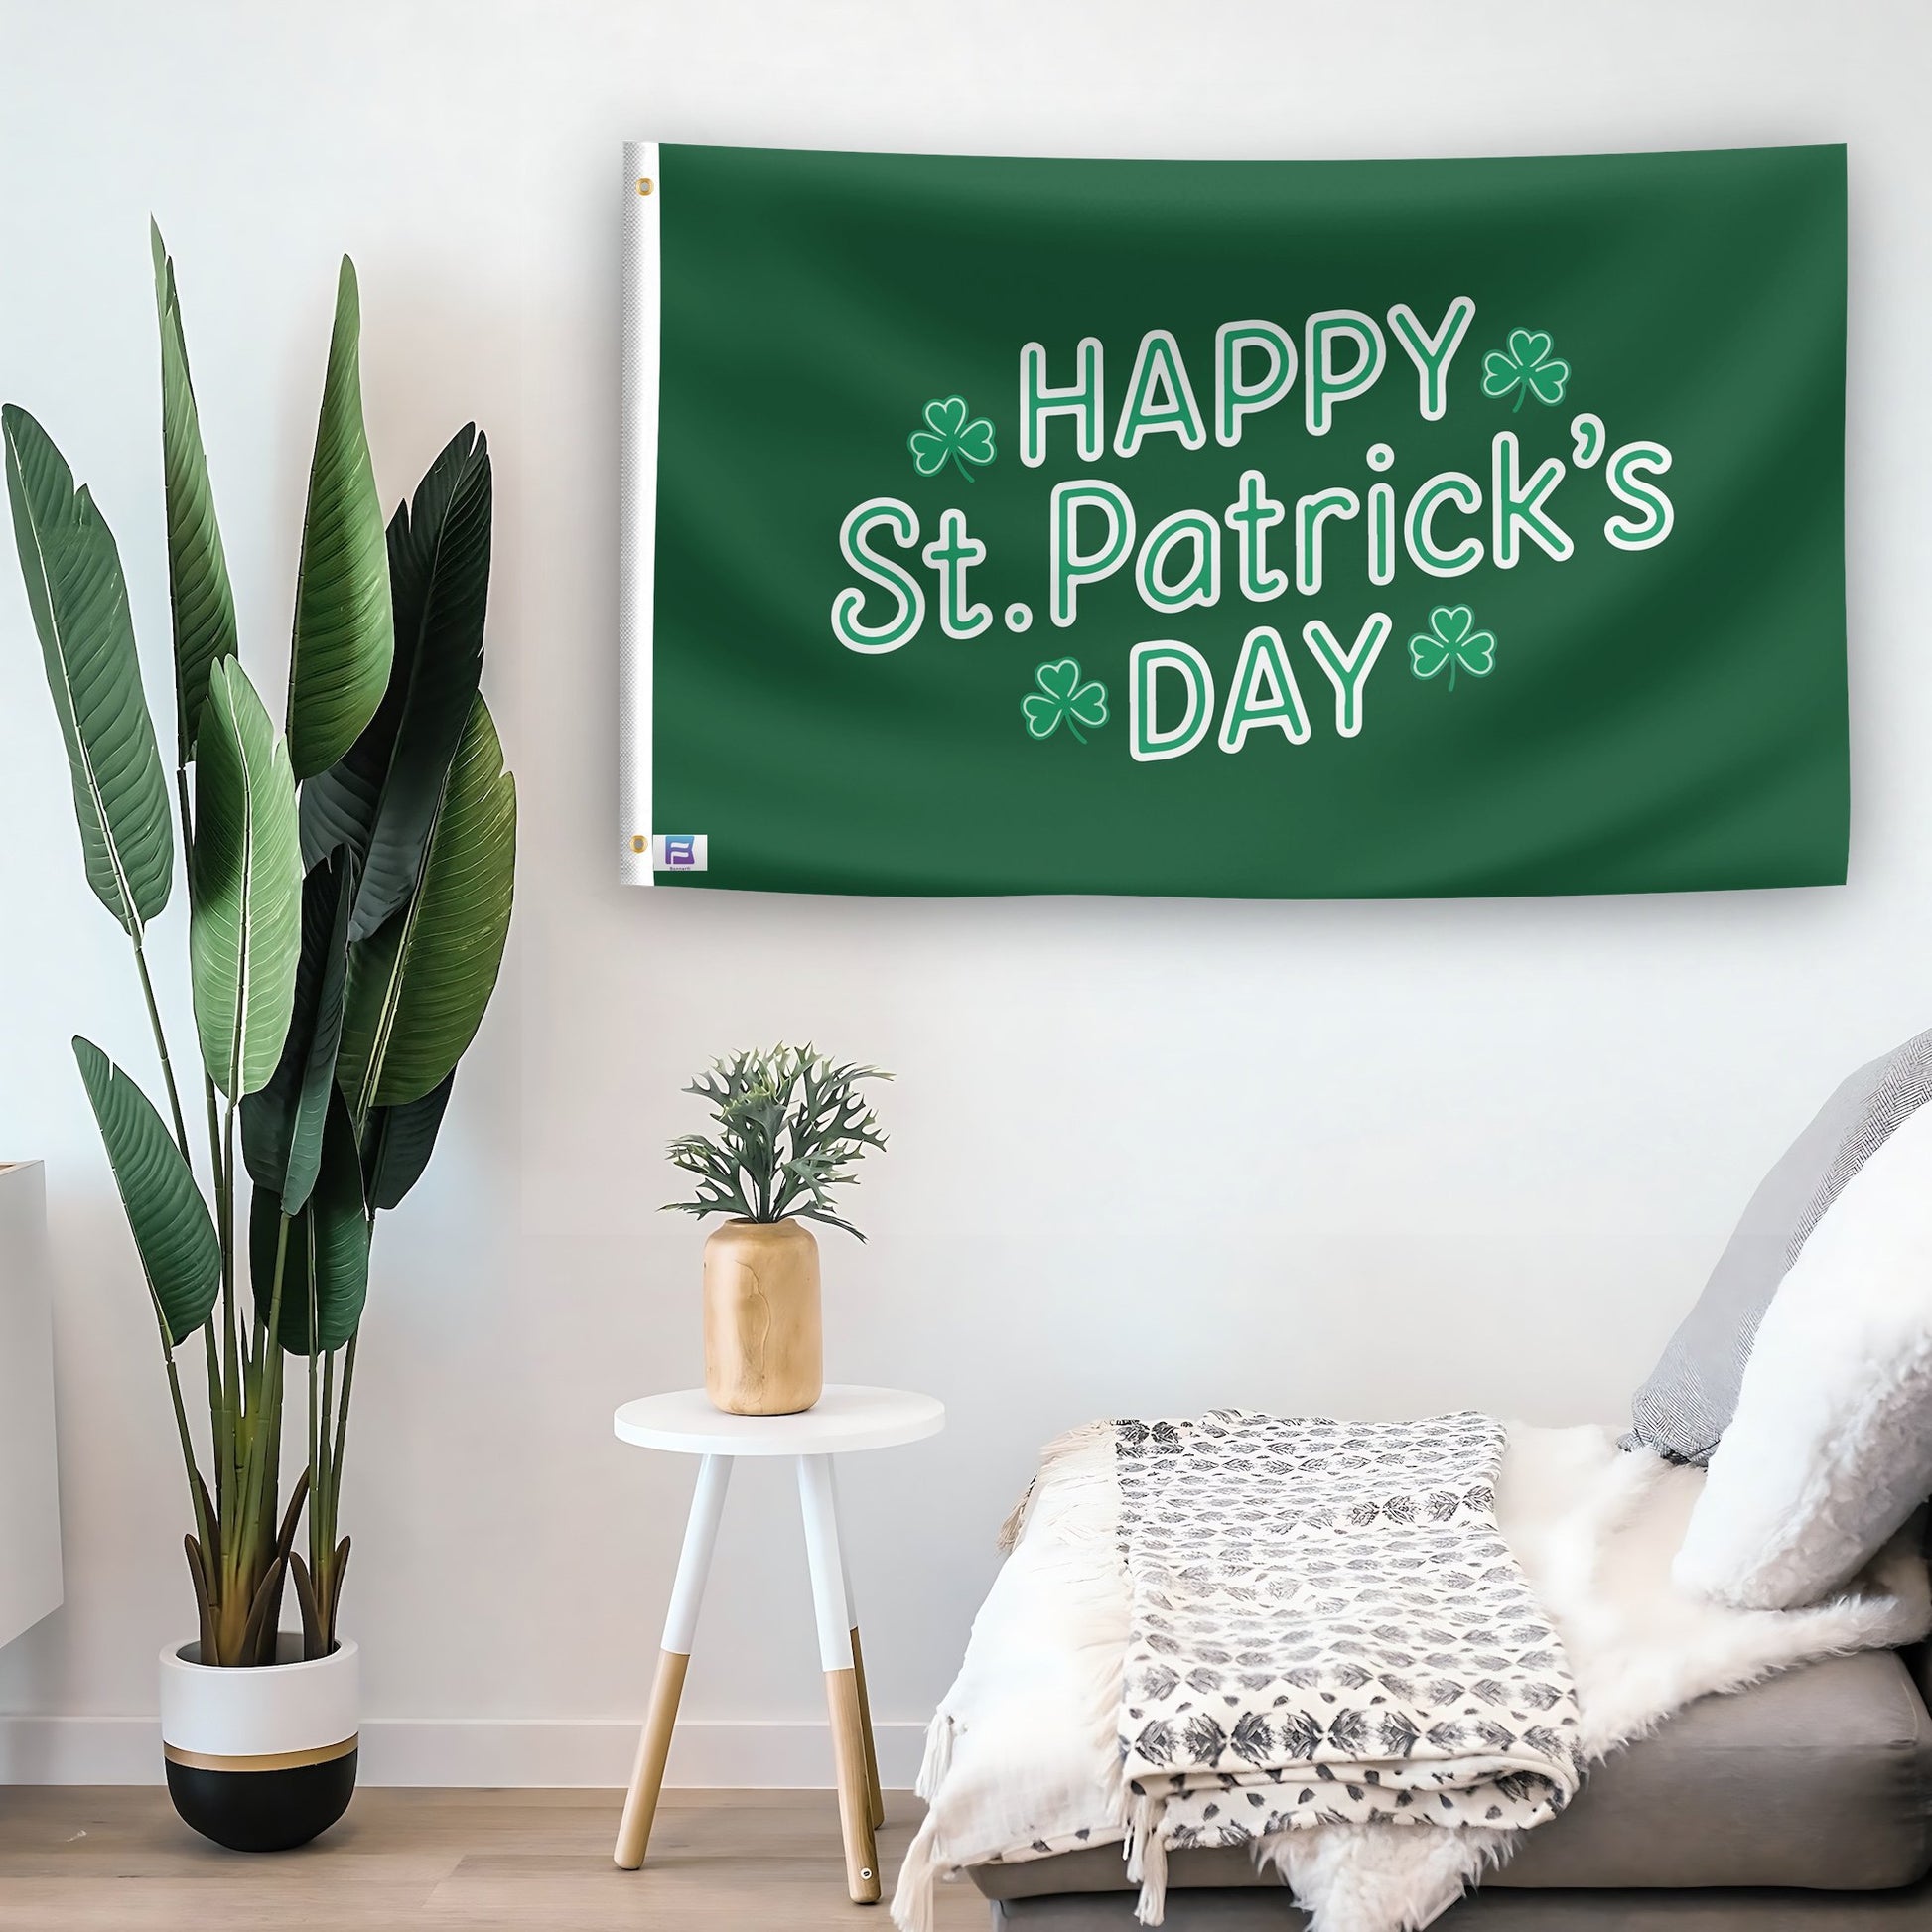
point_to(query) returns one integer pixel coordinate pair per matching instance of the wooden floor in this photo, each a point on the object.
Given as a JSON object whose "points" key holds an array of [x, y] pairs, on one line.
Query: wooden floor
{"points": [[116, 1859]]}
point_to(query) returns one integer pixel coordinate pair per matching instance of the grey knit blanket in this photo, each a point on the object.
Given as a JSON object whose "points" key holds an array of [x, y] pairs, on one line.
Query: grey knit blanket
{"points": [[1327, 1627]]}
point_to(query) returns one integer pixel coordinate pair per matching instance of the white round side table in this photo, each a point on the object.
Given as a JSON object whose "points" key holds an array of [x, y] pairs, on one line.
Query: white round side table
{"points": [[844, 1419]]}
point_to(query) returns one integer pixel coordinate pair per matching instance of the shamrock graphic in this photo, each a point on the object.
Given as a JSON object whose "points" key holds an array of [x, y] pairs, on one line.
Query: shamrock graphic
{"points": [[1064, 697], [1452, 639], [949, 434], [1527, 367]]}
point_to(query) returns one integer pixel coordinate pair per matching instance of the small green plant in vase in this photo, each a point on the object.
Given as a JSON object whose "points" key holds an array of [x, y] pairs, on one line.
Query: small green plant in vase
{"points": [[789, 1127]]}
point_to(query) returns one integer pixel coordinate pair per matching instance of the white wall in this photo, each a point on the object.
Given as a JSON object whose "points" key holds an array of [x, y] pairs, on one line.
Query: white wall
{"points": [[1370, 1159]]}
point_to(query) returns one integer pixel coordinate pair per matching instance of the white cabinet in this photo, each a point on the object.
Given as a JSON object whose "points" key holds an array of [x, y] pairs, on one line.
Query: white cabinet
{"points": [[29, 1511]]}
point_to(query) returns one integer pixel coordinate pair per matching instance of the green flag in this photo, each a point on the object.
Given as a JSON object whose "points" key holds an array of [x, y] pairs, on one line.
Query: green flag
{"points": [[1304, 530]]}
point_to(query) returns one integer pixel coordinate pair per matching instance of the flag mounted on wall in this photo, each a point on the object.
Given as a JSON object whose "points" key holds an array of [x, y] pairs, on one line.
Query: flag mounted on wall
{"points": [[1263, 529]]}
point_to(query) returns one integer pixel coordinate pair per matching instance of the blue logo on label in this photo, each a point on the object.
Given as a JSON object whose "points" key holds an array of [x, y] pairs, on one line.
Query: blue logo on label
{"points": [[679, 852]]}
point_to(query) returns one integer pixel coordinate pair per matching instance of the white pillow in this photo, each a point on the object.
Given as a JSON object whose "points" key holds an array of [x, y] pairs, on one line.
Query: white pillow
{"points": [[1830, 1451]]}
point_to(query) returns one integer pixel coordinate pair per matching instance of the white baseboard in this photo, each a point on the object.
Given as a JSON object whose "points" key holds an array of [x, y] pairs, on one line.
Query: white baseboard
{"points": [[480, 1753]]}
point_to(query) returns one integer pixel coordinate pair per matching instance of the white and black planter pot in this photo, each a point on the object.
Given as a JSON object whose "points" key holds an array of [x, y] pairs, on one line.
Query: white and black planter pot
{"points": [[260, 1759]]}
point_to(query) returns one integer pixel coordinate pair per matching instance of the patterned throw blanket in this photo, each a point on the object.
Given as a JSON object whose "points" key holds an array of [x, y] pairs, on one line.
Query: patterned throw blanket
{"points": [[1326, 1626]]}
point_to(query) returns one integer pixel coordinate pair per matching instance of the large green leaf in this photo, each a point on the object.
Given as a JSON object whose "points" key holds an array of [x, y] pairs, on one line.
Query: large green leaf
{"points": [[417, 990], [281, 1126], [173, 1233], [78, 599], [380, 798], [198, 570], [326, 1264], [399, 1143], [343, 631], [244, 933]]}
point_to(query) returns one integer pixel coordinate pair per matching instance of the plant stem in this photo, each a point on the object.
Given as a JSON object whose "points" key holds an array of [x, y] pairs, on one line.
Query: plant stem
{"points": [[323, 1431], [161, 1047], [341, 1425], [187, 814], [234, 1412], [229, 1340], [322, 1520], [218, 1433], [191, 1467], [265, 1418], [316, 1435], [202, 1525], [220, 1397], [322, 1527], [242, 1574], [196, 1487]]}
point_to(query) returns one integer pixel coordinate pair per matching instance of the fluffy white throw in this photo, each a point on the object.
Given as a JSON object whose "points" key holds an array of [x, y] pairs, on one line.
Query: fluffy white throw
{"points": [[1022, 1759]]}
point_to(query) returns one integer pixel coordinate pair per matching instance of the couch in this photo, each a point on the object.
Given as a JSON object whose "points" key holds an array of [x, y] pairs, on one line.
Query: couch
{"points": [[1801, 1805]]}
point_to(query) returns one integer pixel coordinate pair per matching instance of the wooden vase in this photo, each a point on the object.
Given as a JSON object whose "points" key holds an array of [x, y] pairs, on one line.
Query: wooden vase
{"points": [[763, 1345]]}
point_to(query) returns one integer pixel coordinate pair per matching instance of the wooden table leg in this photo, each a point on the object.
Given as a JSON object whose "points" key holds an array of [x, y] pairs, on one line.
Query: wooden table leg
{"points": [[681, 1627], [877, 1796], [820, 1511], [874, 1797]]}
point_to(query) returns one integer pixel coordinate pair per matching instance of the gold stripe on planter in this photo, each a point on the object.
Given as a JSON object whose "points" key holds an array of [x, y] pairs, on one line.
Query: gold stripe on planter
{"points": [[267, 1761]]}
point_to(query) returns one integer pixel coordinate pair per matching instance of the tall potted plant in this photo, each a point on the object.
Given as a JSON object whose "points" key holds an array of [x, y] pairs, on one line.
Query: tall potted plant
{"points": [[348, 883], [792, 1126]]}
